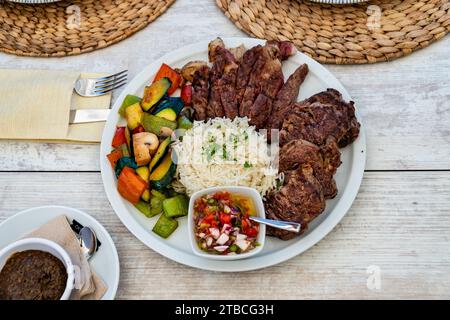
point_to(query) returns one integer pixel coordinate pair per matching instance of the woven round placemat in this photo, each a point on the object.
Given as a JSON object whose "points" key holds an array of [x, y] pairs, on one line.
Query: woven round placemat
{"points": [[343, 34], [73, 27]]}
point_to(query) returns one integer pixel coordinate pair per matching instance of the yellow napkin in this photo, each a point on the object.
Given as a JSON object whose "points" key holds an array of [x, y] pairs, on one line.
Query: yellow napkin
{"points": [[35, 105]]}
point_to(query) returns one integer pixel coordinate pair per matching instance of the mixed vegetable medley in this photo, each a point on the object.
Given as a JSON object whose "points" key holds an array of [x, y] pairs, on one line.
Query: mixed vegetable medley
{"points": [[142, 155], [222, 224]]}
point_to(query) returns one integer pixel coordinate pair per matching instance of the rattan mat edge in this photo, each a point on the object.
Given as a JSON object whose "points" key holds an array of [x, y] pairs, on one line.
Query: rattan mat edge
{"points": [[344, 34], [73, 27]]}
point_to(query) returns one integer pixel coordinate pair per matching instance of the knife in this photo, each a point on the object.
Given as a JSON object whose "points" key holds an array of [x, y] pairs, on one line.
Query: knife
{"points": [[88, 115]]}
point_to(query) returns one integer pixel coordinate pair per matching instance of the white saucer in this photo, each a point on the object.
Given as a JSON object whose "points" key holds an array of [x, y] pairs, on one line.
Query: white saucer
{"points": [[105, 262]]}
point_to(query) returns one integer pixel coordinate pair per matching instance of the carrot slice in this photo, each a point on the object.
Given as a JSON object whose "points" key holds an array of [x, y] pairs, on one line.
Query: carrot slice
{"points": [[114, 156], [130, 185]]}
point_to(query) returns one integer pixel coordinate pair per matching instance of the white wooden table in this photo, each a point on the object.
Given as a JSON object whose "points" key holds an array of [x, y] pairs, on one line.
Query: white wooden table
{"points": [[399, 223]]}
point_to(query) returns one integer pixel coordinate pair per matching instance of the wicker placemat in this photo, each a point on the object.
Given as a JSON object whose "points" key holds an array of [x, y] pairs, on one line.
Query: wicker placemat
{"points": [[73, 27], [343, 34]]}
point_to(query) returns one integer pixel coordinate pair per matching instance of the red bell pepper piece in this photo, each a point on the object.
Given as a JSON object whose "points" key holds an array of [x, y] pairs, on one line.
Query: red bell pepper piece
{"points": [[130, 185], [138, 129], [119, 137], [175, 77], [186, 94], [114, 156], [225, 218]]}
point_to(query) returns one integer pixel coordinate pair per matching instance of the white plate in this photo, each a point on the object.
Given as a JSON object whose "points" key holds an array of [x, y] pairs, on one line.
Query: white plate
{"points": [[177, 247], [105, 262]]}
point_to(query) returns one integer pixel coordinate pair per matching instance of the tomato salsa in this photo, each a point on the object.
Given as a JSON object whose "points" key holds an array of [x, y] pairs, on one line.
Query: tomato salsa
{"points": [[222, 224]]}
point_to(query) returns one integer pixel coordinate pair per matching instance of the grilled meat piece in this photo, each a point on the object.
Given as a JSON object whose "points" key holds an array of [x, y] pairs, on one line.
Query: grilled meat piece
{"points": [[212, 48], [324, 162], [245, 70], [267, 79], [260, 111], [299, 200], [223, 101], [314, 120], [287, 48], [286, 97], [200, 93]]}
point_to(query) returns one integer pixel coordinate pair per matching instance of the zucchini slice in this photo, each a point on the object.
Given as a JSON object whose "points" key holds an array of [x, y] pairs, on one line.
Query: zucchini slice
{"points": [[154, 93], [162, 149], [163, 174], [168, 114], [174, 103], [165, 226]]}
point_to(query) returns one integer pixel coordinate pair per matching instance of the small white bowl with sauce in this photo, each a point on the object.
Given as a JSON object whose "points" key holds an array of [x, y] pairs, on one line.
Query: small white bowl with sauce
{"points": [[44, 245], [246, 192]]}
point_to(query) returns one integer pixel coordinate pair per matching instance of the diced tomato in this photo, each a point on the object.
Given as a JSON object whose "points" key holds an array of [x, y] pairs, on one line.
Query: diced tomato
{"points": [[114, 156], [251, 232], [186, 94], [225, 218], [222, 195], [130, 185], [214, 223], [175, 77], [138, 129], [209, 218], [244, 224], [119, 137]]}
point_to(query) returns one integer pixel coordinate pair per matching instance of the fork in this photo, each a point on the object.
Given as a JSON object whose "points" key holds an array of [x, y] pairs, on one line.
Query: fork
{"points": [[92, 87]]}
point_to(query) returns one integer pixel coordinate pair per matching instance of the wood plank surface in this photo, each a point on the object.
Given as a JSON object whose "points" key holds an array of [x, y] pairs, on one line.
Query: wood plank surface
{"points": [[399, 222], [405, 104]]}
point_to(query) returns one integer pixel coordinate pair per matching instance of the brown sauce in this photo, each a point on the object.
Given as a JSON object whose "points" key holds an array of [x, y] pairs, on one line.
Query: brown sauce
{"points": [[32, 275]]}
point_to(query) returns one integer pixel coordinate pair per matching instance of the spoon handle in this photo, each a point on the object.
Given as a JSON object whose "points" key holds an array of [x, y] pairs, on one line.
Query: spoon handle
{"points": [[283, 225]]}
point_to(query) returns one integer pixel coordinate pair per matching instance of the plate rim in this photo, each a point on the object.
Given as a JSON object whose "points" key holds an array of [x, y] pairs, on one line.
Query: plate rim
{"points": [[99, 225], [258, 262]]}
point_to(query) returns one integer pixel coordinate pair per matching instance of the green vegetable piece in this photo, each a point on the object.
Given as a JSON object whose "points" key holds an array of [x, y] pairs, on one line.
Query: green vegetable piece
{"points": [[125, 151], [168, 114], [156, 124], [128, 101], [176, 207], [233, 248], [144, 207], [162, 149], [174, 103], [184, 123], [156, 206], [165, 226], [124, 162], [161, 177], [157, 194], [154, 93]]}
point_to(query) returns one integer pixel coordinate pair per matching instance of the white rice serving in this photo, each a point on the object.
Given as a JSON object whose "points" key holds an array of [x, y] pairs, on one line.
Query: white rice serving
{"points": [[223, 152]]}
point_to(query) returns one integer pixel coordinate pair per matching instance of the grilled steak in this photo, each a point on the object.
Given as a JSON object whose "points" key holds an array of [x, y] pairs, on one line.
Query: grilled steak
{"points": [[200, 93], [223, 101], [245, 70], [324, 162], [286, 97], [314, 120], [266, 79], [299, 200]]}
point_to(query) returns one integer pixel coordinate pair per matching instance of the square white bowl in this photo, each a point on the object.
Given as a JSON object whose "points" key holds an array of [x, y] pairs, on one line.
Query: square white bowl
{"points": [[245, 191]]}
